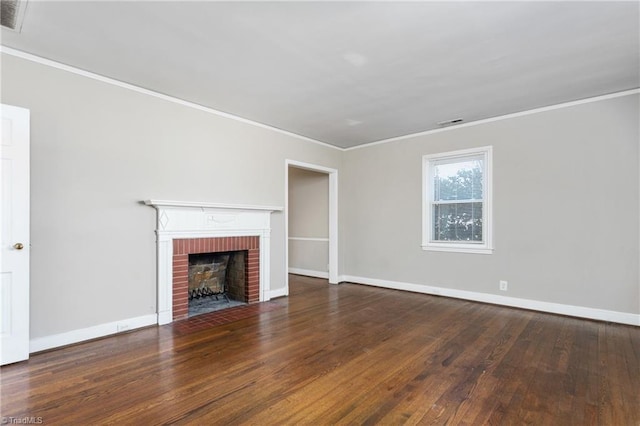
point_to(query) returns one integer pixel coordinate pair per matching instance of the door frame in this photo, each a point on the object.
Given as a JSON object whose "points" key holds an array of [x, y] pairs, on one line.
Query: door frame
{"points": [[333, 216]]}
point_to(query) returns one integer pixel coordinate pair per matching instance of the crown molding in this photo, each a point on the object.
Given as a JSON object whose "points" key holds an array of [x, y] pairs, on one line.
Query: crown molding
{"points": [[88, 74], [48, 62], [501, 117]]}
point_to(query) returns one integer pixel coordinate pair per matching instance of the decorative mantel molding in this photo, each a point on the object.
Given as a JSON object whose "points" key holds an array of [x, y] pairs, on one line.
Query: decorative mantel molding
{"points": [[186, 219], [206, 205]]}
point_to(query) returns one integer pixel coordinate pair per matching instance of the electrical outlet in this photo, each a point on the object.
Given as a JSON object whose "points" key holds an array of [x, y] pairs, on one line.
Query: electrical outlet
{"points": [[503, 285]]}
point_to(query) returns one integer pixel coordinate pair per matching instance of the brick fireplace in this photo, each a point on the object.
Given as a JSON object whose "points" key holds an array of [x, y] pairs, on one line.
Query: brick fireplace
{"points": [[185, 228], [183, 247]]}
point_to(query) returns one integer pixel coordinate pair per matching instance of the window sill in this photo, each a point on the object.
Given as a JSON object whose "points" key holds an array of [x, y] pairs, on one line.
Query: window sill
{"points": [[458, 249]]}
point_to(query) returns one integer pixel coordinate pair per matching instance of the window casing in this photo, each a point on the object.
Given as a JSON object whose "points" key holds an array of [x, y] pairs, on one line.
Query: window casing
{"points": [[457, 201]]}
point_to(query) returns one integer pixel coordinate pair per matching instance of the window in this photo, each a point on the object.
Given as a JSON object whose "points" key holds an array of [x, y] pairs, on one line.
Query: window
{"points": [[457, 201]]}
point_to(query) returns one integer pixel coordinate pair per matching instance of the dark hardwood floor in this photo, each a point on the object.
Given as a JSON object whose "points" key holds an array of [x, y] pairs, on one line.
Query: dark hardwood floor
{"points": [[344, 354]]}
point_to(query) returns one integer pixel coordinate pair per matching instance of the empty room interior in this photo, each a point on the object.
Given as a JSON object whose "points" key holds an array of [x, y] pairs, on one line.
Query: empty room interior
{"points": [[320, 212]]}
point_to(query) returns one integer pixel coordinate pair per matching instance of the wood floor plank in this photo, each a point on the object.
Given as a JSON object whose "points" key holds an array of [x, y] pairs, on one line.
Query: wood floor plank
{"points": [[346, 354]]}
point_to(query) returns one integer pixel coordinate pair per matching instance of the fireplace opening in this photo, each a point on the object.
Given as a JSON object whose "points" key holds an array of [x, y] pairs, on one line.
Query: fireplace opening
{"points": [[183, 248], [217, 281]]}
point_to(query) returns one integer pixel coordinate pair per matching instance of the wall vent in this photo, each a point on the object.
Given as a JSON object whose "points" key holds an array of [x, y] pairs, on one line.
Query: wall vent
{"points": [[12, 13]]}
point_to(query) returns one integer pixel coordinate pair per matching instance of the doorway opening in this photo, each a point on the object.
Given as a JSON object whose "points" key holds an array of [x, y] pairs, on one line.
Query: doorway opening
{"points": [[311, 220]]}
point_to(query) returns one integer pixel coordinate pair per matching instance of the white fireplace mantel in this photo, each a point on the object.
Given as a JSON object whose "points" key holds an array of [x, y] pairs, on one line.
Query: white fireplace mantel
{"points": [[185, 219], [201, 204]]}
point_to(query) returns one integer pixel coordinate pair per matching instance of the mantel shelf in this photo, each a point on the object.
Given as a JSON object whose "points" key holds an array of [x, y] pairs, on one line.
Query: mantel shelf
{"points": [[205, 205]]}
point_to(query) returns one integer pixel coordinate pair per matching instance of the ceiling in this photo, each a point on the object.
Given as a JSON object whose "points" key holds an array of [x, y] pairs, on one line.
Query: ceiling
{"points": [[347, 73]]}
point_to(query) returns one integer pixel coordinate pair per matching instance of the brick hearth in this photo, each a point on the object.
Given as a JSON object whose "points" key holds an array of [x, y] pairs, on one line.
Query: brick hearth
{"points": [[182, 248]]}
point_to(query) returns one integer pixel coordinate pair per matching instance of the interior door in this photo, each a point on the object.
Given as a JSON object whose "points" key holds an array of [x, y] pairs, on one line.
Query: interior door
{"points": [[14, 235]]}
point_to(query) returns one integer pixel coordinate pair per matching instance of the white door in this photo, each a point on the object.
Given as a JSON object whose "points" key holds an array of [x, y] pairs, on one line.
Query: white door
{"points": [[14, 235]]}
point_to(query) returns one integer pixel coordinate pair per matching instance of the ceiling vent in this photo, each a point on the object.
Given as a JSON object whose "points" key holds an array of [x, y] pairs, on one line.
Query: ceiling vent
{"points": [[12, 13], [450, 122]]}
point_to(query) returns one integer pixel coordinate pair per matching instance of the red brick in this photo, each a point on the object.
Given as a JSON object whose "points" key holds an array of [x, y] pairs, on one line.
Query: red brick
{"points": [[183, 247]]}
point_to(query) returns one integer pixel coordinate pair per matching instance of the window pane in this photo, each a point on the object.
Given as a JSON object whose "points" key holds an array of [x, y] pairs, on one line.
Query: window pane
{"points": [[461, 180], [457, 222]]}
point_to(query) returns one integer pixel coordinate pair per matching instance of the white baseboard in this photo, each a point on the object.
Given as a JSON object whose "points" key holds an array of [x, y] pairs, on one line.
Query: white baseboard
{"points": [[75, 336], [536, 305], [280, 292], [309, 273]]}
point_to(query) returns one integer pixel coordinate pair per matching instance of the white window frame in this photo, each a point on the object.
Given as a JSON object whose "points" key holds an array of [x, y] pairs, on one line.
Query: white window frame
{"points": [[484, 247]]}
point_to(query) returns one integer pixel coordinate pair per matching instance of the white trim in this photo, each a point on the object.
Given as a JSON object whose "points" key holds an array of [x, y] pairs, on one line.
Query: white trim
{"points": [[279, 292], [536, 305], [309, 239], [309, 273], [333, 215], [206, 205], [450, 248], [76, 336], [486, 246], [132, 87], [310, 167], [500, 117]]}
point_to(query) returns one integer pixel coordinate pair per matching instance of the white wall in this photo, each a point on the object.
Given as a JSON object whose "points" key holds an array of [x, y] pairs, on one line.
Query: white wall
{"points": [[566, 192], [308, 221], [97, 150]]}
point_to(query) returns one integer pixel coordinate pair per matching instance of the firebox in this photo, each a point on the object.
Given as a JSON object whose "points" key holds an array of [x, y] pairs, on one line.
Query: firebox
{"points": [[216, 281], [218, 253]]}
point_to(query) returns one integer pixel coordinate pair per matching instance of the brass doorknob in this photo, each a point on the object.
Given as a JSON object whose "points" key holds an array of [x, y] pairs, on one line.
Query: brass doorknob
{"points": [[18, 246]]}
